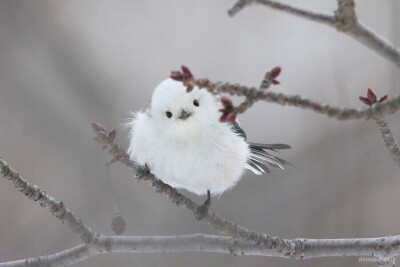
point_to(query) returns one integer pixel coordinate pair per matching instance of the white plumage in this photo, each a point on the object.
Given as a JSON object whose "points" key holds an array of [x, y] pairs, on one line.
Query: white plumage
{"points": [[182, 141]]}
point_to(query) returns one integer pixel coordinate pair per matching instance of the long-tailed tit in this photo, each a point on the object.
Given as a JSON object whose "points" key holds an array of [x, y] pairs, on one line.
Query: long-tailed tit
{"points": [[183, 143]]}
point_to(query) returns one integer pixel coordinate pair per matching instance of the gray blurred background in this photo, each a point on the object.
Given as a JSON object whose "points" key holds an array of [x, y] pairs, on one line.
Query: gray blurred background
{"points": [[65, 64]]}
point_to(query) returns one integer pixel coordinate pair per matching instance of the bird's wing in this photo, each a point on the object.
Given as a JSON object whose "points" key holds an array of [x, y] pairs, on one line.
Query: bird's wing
{"points": [[260, 159]]}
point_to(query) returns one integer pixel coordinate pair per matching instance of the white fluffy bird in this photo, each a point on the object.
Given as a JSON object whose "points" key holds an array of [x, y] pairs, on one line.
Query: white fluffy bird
{"points": [[182, 142]]}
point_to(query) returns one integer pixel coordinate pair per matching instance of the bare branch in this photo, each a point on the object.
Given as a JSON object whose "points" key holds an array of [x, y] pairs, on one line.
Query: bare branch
{"points": [[387, 136], [295, 248], [344, 20], [241, 241], [98, 242], [63, 258], [345, 15], [339, 113], [383, 126], [384, 248], [313, 16], [268, 80], [222, 225], [57, 208], [251, 243], [142, 244]]}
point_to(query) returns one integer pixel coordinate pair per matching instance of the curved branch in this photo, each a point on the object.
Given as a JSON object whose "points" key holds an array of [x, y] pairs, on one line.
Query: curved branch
{"points": [[346, 24], [57, 208], [63, 258]]}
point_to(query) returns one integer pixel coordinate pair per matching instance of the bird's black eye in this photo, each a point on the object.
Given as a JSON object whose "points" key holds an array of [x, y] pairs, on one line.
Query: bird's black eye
{"points": [[169, 114], [196, 103]]}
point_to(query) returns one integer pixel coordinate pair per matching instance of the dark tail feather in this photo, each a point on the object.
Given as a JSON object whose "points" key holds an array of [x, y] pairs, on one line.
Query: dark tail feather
{"points": [[273, 147], [259, 158]]}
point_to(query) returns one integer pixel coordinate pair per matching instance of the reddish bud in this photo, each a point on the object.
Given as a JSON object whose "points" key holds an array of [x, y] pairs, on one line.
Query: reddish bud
{"points": [[226, 102], [98, 127], [270, 77], [223, 118], [111, 135], [186, 71], [371, 96], [182, 76], [275, 82], [189, 89], [176, 75], [383, 98], [228, 117], [364, 100], [231, 117], [275, 72], [225, 113], [102, 137]]}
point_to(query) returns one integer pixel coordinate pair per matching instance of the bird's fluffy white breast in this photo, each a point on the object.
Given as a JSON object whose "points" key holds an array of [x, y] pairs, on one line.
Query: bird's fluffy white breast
{"points": [[212, 159]]}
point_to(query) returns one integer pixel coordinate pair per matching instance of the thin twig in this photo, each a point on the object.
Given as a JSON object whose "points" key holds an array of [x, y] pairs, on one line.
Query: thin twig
{"points": [[345, 15], [388, 137], [313, 16], [390, 142], [345, 23], [118, 224], [62, 258], [268, 80]]}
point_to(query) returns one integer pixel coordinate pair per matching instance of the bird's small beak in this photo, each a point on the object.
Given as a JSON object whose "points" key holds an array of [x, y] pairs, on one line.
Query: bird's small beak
{"points": [[184, 115]]}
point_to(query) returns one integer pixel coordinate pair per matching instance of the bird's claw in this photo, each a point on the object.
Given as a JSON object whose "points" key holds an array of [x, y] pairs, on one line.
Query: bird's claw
{"points": [[202, 210], [141, 172]]}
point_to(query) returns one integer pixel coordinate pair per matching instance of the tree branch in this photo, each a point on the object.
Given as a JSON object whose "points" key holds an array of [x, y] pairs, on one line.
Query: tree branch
{"points": [[383, 126], [291, 248], [241, 241], [57, 208], [255, 94], [345, 15], [384, 247], [63, 258], [345, 20], [388, 138], [268, 80], [251, 243], [222, 225], [312, 16]]}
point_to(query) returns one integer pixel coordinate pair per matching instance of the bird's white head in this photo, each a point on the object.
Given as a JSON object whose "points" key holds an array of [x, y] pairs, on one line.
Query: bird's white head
{"points": [[179, 114]]}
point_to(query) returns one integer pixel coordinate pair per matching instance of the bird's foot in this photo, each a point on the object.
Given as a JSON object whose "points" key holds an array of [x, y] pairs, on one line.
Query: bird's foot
{"points": [[203, 209], [141, 172]]}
